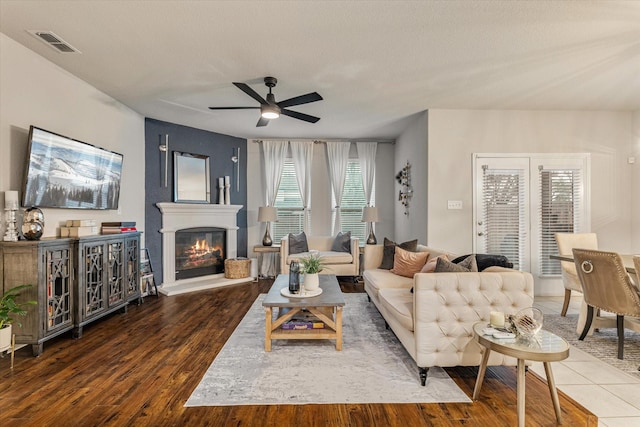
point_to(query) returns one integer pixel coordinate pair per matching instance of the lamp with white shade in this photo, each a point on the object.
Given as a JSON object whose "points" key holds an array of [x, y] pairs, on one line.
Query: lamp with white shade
{"points": [[267, 214], [370, 215]]}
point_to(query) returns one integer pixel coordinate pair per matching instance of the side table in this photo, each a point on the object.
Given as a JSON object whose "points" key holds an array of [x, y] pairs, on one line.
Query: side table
{"points": [[544, 347], [261, 250]]}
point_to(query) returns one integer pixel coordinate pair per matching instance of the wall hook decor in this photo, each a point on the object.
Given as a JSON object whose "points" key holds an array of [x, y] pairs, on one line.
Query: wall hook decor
{"points": [[406, 191]]}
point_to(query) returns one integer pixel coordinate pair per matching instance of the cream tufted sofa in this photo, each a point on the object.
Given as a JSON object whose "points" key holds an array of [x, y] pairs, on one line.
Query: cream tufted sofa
{"points": [[435, 322]]}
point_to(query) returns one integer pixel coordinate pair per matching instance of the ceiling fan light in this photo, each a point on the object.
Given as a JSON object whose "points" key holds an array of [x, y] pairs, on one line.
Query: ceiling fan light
{"points": [[270, 111]]}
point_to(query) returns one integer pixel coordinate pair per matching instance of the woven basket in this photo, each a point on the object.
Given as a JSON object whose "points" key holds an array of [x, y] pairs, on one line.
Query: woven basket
{"points": [[237, 268]]}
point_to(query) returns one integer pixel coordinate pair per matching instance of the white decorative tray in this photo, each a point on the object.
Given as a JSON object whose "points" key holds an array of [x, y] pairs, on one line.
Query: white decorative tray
{"points": [[303, 294]]}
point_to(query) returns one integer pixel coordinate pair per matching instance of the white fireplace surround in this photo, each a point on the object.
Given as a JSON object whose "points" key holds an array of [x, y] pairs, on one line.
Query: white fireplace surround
{"points": [[179, 216]]}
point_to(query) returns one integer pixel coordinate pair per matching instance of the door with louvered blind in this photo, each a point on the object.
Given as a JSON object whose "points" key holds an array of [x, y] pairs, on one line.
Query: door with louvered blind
{"points": [[521, 202], [501, 224]]}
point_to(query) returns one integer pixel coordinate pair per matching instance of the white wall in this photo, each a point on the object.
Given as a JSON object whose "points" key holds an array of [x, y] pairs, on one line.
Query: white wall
{"points": [[412, 146], [321, 190], [455, 134], [37, 92]]}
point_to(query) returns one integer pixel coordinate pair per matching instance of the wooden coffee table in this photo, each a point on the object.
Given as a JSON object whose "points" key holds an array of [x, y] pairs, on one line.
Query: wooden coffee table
{"points": [[327, 307]]}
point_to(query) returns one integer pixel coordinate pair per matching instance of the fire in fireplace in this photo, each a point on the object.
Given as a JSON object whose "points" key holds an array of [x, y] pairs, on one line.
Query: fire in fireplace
{"points": [[200, 251]]}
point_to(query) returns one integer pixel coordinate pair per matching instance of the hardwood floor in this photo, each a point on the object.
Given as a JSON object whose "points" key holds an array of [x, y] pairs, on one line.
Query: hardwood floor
{"points": [[139, 369]]}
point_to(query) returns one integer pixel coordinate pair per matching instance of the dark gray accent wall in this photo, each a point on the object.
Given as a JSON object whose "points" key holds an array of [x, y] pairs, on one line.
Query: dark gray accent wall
{"points": [[220, 149]]}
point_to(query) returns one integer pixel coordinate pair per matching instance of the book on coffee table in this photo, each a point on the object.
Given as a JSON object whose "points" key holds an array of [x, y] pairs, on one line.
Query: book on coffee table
{"points": [[302, 325]]}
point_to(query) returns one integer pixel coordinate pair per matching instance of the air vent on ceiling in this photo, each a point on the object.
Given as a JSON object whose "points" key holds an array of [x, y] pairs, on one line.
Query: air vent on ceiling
{"points": [[54, 41]]}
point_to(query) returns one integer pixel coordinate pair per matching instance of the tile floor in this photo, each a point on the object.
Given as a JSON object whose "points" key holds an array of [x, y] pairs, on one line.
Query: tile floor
{"points": [[609, 393]]}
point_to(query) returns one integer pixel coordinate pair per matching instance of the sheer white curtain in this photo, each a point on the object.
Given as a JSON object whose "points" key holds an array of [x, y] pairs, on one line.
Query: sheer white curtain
{"points": [[338, 155], [302, 154], [367, 159], [274, 153]]}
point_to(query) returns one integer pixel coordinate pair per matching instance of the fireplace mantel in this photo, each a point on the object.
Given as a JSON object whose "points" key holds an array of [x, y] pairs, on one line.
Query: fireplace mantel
{"points": [[178, 216]]}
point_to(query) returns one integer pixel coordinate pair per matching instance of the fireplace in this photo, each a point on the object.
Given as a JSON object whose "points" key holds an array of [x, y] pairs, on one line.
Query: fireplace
{"points": [[181, 225], [200, 251]]}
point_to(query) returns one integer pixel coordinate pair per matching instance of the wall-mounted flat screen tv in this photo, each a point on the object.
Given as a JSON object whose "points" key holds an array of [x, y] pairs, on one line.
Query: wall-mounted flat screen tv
{"points": [[66, 173]]}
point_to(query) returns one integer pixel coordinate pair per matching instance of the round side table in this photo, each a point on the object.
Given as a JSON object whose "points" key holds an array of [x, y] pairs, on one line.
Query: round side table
{"points": [[545, 347]]}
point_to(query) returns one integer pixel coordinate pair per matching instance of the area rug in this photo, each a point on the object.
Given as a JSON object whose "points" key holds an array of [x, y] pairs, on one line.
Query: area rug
{"points": [[603, 344], [372, 367]]}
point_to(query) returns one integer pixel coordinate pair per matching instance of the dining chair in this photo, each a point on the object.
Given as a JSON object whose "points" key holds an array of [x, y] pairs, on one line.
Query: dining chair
{"points": [[566, 242], [636, 264], [606, 286]]}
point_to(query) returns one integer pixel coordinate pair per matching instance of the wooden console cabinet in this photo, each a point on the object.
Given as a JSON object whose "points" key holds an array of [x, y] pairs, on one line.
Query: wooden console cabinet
{"points": [[75, 281]]}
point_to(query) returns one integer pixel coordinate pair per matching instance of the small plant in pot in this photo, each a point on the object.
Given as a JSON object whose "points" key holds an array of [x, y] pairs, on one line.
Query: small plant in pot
{"points": [[310, 266], [9, 307]]}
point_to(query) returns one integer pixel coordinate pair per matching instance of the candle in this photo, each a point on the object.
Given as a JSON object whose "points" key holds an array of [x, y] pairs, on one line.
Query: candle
{"points": [[226, 180], [496, 318], [11, 199], [220, 182]]}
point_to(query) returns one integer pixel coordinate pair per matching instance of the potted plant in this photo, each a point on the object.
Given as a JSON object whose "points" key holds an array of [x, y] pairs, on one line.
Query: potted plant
{"points": [[310, 266], [10, 307]]}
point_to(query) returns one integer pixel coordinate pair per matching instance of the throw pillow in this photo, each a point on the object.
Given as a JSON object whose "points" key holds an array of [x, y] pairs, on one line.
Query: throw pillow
{"points": [[298, 243], [342, 242], [469, 263], [407, 263], [444, 266], [488, 260], [389, 250], [430, 266]]}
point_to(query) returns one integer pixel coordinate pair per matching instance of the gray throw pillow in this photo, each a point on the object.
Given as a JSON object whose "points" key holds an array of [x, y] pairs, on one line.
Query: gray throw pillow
{"points": [[469, 263], [389, 250], [342, 242], [444, 266], [298, 243]]}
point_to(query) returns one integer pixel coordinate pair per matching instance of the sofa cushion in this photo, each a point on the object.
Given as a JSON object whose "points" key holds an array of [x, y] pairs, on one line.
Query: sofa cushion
{"points": [[378, 278], [390, 249], [487, 260], [342, 242], [298, 243], [399, 304], [328, 257], [407, 263]]}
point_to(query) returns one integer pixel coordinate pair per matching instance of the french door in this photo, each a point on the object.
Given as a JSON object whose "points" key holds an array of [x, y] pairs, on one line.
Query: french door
{"points": [[521, 201]]}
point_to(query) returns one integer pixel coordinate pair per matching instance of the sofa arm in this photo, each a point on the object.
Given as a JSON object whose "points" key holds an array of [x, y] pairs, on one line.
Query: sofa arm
{"points": [[284, 254], [372, 256]]}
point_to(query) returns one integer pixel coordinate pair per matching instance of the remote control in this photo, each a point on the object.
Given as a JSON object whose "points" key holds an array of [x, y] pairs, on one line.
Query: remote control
{"points": [[502, 335]]}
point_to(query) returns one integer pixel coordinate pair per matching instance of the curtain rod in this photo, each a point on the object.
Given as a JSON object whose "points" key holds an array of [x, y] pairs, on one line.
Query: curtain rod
{"points": [[320, 141]]}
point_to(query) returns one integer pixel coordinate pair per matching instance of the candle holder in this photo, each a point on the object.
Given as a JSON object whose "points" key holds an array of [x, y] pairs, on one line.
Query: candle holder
{"points": [[11, 233]]}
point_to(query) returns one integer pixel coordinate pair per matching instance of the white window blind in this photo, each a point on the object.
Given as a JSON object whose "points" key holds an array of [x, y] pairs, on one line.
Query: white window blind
{"points": [[289, 204], [503, 198], [560, 211]]}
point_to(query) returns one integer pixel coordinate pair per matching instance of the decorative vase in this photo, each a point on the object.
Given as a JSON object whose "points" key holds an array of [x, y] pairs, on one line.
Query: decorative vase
{"points": [[32, 223], [5, 337], [528, 321], [311, 282]]}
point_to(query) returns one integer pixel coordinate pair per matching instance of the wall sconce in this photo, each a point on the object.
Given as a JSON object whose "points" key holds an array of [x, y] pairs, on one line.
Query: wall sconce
{"points": [[165, 149], [406, 192]]}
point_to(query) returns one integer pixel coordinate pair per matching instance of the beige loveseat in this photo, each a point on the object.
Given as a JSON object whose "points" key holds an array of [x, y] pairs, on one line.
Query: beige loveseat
{"points": [[338, 263], [435, 322]]}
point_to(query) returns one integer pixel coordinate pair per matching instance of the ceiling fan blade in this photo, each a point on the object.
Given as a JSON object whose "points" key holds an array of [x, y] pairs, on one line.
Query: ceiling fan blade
{"points": [[262, 122], [234, 108], [299, 100], [300, 116], [252, 93]]}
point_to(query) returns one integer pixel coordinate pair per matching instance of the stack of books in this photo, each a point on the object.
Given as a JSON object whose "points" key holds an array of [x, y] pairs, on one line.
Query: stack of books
{"points": [[300, 324], [80, 228], [118, 227]]}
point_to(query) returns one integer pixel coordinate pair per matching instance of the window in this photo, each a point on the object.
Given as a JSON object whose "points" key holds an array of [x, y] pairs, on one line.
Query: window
{"points": [[353, 201], [289, 204]]}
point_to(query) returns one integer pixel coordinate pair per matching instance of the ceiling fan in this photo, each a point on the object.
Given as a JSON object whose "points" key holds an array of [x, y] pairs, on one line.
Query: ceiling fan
{"points": [[270, 109]]}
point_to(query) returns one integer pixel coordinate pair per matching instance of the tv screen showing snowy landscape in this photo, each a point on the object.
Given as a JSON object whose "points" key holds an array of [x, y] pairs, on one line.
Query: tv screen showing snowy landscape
{"points": [[65, 173]]}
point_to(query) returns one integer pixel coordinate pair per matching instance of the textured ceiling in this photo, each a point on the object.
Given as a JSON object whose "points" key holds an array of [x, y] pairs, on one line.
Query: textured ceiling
{"points": [[376, 63]]}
